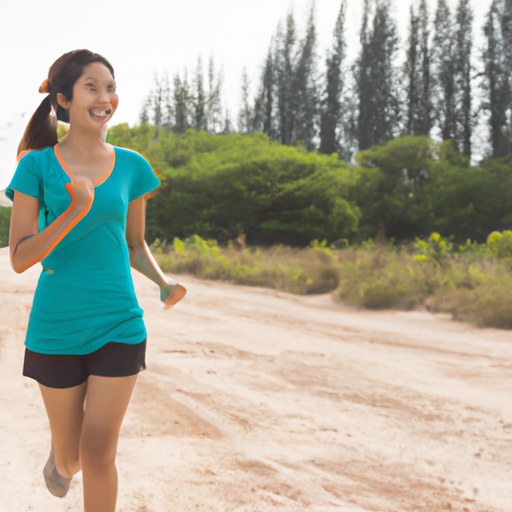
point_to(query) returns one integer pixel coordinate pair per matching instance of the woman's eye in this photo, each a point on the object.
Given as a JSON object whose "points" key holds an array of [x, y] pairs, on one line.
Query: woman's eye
{"points": [[90, 87]]}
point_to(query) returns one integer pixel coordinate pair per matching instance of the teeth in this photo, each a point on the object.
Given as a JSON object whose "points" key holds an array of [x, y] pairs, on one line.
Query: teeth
{"points": [[101, 113]]}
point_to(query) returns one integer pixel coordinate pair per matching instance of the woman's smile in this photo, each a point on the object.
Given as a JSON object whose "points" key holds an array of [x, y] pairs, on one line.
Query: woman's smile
{"points": [[100, 115]]}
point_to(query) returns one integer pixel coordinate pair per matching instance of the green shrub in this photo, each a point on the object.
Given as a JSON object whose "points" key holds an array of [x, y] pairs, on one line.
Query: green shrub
{"points": [[500, 244], [5, 223], [284, 268], [474, 284]]}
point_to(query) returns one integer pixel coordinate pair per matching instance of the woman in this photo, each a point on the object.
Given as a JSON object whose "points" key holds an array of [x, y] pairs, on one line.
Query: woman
{"points": [[79, 209]]}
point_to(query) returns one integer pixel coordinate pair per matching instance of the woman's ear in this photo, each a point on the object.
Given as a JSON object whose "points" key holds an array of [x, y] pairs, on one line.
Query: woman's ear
{"points": [[62, 101]]}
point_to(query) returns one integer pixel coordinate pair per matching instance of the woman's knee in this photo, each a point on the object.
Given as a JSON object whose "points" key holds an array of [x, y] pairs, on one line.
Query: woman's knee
{"points": [[98, 446]]}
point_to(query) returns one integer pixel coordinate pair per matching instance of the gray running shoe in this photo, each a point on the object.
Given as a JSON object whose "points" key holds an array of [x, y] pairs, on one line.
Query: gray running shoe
{"points": [[57, 484]]}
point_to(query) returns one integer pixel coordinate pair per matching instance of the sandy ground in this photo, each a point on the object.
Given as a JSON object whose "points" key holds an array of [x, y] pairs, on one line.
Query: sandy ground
{"points": [[256, 400]]}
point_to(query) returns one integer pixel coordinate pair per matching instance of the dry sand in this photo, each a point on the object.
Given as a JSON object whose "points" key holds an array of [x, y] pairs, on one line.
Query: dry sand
{"points": [[256, 400]]}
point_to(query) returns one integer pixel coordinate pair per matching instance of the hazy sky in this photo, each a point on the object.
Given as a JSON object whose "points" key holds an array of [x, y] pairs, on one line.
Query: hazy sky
{"points": [[153, 36]]}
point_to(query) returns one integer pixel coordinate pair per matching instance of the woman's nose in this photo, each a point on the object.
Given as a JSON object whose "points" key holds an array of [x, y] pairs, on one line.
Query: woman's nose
{"points": [[105, 97]]}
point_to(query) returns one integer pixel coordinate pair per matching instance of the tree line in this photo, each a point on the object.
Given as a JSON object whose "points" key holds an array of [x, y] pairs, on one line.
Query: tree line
{"points": [[227, 186], [345, 106]]}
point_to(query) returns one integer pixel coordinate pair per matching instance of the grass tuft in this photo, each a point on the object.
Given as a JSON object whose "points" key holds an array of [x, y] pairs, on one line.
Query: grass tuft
{"points": [[474, 282]]}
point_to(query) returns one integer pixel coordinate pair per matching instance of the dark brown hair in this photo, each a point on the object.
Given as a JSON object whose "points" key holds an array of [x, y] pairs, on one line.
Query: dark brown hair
{"points": [[41, 130]]}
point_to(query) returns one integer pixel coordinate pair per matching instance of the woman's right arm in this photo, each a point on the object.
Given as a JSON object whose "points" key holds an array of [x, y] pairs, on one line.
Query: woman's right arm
{"points": [[28, 247]]}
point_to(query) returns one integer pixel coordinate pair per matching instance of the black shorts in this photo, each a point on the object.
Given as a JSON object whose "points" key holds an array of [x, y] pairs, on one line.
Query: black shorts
{"points": [[66, 371]]}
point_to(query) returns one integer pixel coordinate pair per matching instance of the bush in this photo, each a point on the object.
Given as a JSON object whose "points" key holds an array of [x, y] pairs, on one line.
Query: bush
{"points": [[5, 223], [474, 284], [301, 271]]}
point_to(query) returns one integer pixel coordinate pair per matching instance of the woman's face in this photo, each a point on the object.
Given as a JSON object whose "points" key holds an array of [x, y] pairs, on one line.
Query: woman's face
{"points": [[94, 98]]}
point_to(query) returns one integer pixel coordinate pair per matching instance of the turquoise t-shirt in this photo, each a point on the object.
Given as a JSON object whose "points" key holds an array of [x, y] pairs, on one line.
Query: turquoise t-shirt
{"points": [[85, 296]]}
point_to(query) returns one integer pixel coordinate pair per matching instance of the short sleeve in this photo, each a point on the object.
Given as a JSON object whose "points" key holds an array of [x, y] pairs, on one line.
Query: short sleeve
{"points": [[144, 178], [26, 179]]}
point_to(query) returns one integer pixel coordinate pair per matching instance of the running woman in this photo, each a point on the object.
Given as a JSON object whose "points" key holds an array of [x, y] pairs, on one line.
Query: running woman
{"points": [[79, 209]]}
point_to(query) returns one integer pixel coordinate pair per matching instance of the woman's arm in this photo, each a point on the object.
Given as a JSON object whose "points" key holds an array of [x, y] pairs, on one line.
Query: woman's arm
{"points": [[141, 258], [26, 246]]}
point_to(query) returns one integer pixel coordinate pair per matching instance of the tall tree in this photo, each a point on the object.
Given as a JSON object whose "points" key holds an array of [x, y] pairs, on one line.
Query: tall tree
{"points": [[495, 83], [214, 98], [306, 87], [264, 107], [245, 115], [227, 127], [331, 107], [444, 69], [199, 98], [145, 111], [378, 102], [158, 101], [425, 113], [285, 63], [463, 47], [363, 82], [181, 103], [167, 106], [412, 70]]}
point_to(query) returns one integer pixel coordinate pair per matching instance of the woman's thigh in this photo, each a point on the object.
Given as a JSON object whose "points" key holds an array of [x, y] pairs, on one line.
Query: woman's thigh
{"points": [[65, 409], [107, 402]]}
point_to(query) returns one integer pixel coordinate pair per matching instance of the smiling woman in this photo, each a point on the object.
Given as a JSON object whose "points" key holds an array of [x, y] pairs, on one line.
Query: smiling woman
{"points": [[79, 209]]}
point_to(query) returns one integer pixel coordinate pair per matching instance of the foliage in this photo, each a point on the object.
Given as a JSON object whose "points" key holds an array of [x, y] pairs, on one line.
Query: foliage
{"points": [[222, 186], [500, 244], [473, 285], [226, 185], [292, 270], [376, 79], [436, 248], [5, 222], [331, 116]]}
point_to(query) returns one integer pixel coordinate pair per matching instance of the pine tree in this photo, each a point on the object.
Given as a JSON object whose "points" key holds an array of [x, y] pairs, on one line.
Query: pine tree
{"points": [[227, 127], [363, 83], [506, 49], [506, 35], [167, 106], [412, 70], [214, 99], [425, 114], [264, 103], [285, 63], [158, 100], [268, 93], [245, 115], [496, 84], [463, 48], [378, 102], [199, 98], [181, 104], [306, 87], [444, 69], [144, 113], [331, 116]]}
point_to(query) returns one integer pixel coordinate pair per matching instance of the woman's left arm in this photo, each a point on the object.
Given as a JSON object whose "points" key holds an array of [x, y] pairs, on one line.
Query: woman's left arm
{"points": [[141, 258]]}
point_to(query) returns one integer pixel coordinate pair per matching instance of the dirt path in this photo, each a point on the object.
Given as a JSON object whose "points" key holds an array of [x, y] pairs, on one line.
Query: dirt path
{"points": [[256, 400]]}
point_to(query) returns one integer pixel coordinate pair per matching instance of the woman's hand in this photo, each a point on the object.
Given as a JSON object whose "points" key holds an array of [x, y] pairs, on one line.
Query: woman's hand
{"points": [[171, 294], [82, 189], [141, 258], [27, 244]]}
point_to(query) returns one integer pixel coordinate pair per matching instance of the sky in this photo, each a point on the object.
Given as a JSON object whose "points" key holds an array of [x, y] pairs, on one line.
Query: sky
{"points": [[154, 36]]}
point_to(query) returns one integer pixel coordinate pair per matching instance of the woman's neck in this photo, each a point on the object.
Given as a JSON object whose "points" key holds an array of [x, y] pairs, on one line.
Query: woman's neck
{"points": [[79, 142]]}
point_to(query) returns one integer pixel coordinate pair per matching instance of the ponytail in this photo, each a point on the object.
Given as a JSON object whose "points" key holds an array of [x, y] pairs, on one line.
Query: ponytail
{"points": [[41, 130]]}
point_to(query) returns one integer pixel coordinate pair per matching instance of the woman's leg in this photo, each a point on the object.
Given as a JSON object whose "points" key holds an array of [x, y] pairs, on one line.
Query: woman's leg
{"points": [[107, 401], [65, 409]]}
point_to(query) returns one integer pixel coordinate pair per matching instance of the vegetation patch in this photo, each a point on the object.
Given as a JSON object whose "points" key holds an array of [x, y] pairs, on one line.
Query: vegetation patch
{"points": [[472, 282]]}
